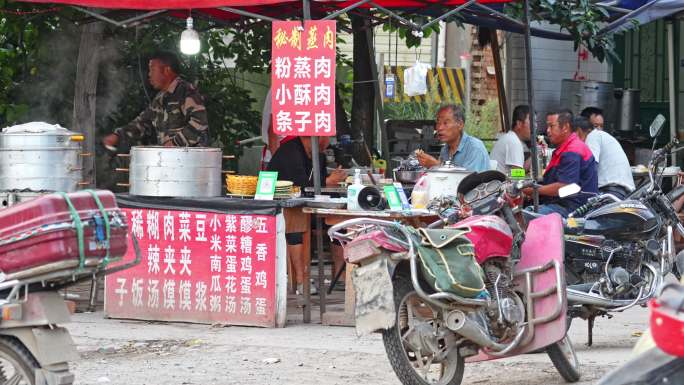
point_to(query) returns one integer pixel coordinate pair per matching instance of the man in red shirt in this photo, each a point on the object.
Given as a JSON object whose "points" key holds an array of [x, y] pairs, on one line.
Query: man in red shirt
{"points": [[572, 162]]}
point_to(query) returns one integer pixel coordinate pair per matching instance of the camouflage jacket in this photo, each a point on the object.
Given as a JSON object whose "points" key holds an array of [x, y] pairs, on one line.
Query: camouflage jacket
{"points": [[177, 114]]}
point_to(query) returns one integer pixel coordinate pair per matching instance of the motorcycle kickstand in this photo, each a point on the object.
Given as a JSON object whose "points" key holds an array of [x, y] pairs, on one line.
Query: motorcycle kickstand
{"points": [[590, 330]]}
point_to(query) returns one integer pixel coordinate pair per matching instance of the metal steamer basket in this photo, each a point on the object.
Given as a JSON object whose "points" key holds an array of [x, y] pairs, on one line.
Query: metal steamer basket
{"points": [[40, 157], [175, 171], [579, 94]]}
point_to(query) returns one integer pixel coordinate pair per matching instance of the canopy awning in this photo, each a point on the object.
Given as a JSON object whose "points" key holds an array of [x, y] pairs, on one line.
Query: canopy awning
{"points": [[200, 4], [486, 13], [640, 12]]}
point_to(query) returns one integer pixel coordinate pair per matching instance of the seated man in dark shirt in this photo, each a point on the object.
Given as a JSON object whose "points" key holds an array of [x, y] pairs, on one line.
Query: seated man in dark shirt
{"points": [[293, 162], [572, 162]]}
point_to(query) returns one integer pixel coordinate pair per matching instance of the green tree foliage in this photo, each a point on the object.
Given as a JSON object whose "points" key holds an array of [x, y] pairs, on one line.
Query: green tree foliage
{"points": [[28, 60], [412, 37], [38, 53], [580, 18]]}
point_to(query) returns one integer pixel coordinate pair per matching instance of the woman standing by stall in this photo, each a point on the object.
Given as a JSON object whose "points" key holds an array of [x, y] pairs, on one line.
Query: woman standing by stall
{"points": [[293, 163]]}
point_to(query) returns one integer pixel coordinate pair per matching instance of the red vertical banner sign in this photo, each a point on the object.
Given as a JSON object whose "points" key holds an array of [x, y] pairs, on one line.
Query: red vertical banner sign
{"points": [[198, 267], [303, 78]]}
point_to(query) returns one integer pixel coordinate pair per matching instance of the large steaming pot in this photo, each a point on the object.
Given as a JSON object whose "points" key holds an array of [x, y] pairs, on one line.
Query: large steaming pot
{"points": [[580, 94], [627, 109], [39, 156], [175, 171]]}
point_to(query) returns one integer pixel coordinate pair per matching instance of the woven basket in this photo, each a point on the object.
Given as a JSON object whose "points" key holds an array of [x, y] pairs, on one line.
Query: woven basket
{"points": [[241, 184]]}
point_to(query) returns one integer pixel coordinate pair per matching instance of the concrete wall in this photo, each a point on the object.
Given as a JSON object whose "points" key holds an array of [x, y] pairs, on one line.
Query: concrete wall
{"points": [[553, 61]]}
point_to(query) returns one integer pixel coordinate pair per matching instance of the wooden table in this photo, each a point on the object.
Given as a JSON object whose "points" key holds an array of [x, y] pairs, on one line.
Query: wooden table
{"points": [[335, 216]]}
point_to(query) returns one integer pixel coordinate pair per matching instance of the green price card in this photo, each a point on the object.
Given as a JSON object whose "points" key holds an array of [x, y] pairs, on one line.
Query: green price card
{"points": [[392, 197], [517, 173], [266, 185]]}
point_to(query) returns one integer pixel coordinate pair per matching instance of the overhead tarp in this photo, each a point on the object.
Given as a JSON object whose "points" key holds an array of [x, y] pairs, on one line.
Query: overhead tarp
{"points": [[640, 11], [160, 4], [201, 4], [275, 8], [643, 12]]}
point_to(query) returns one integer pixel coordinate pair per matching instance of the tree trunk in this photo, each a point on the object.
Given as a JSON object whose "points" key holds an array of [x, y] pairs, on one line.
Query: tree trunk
{"points": [[341, 121], [363, 96], [85, 91]]}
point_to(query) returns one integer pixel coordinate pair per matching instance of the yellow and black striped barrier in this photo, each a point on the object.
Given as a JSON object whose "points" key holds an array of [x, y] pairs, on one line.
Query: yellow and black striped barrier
{"points": [[445, 85]]}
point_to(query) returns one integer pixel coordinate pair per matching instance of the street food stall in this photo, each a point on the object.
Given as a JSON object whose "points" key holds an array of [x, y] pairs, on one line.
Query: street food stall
{"points": [[212, 256]]}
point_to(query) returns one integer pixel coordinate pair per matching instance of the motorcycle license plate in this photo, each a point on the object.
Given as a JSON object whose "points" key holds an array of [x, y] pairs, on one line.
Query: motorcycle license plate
{"points": [[374, 308]]}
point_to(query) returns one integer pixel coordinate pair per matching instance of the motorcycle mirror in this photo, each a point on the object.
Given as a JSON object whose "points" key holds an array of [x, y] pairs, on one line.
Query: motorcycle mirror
{"points": [[656, 125], [570, 189]]}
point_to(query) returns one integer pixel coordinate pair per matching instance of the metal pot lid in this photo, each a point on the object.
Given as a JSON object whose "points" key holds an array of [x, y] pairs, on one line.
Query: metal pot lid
{"points": [[174, 149], [448, 167], [37, 128]]}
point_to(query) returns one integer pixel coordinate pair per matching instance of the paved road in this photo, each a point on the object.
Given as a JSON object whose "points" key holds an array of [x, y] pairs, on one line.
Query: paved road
{"points": [[138, 353]]}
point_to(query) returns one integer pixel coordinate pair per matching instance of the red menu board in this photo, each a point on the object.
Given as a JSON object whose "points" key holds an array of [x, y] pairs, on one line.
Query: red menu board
{"points": [[198, 267], [303, 78]]}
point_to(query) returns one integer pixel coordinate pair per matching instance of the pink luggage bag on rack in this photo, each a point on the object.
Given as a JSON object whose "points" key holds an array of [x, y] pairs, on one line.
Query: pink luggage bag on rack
{"points": [[40, 236]]}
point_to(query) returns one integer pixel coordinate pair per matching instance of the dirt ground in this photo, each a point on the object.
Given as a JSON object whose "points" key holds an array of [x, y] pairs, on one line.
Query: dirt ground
{"points": [[147, 353]]}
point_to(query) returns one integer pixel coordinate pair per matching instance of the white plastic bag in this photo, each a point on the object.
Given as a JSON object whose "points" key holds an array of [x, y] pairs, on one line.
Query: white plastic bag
{"points": [[415, 79]]}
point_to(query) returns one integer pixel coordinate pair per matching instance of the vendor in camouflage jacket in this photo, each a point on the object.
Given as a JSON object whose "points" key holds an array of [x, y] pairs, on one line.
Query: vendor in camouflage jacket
{"points": [[175, 117]]}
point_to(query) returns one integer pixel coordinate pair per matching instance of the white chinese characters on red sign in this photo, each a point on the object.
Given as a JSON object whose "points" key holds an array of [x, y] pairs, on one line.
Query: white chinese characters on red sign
{"points": [[198, 267], [303, 78]]}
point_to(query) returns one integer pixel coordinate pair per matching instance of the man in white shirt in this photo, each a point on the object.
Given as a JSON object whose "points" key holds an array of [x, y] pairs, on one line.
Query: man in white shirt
{"points": [[614, 172], [509, 149], [595, 116]]}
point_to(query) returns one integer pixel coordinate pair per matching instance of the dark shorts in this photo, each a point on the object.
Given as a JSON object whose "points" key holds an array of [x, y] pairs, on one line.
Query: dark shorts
{"points": [[294, 239]]}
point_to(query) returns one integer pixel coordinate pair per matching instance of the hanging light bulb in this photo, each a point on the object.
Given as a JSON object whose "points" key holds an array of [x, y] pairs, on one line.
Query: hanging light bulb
{"points": [[189, 40]]}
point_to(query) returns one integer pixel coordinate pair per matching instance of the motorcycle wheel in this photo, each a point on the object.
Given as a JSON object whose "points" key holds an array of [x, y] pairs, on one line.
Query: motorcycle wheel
{"points": [[411, 367], [17, 364], [563, 357]]}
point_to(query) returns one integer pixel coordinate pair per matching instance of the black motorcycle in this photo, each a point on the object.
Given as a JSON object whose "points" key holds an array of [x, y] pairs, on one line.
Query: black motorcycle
{"points": [[617, 252]]}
